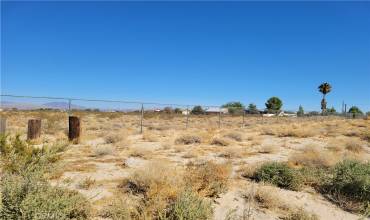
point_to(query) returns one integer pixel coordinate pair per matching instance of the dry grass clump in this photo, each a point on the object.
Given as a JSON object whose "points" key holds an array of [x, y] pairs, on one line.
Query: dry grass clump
{"points": [[86, 183], [220, 141], [230, 153], [113, 138], [300, 214], [158, 184], [313, 157], [366, 136], [267, 149], [234, 136], [296, 132], [103, 150], [247, 171], [150, 137], [267, 197], [290, 131], [188, 139], [354, 146], [208, 178]]}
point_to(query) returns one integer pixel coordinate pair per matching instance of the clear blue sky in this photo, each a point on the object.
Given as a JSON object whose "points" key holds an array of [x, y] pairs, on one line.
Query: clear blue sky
{"points": [[178, 52]]}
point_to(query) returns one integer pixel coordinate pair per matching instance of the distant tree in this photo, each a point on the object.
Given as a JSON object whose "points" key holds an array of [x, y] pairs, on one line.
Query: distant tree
{"points": [[313, 113], [300, 112], [324, 88], [234, 107], [252, 108], [178, 111], [332, 110], [274, 104], [168, 110], [354, 110], [368, 113], [197, 110]]}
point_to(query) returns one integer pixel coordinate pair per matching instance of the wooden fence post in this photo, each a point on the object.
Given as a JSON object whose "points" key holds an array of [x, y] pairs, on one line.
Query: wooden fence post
{"points": [[2, 125], [74, 129], [34, 129]]}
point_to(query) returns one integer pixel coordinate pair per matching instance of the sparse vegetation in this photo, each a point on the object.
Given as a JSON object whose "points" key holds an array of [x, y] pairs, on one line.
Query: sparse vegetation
{"points": [[278, 174], [25, 192], [220, 141], [208, 179], [348, 185], [188, 139]]}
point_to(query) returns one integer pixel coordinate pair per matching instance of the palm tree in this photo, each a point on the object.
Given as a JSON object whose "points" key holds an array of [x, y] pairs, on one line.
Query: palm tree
{"points": [[324, 88]]}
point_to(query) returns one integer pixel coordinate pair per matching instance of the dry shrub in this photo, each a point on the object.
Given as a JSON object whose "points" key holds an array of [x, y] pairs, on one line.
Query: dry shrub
{"points": [[220, 141], [230, 153], [234, 136], [159, 184], [354, 146], [290, 131], [113, 138], [103, 150], [267, 149], [140, 152], [296, 132], [313, 157], [366, 136], [188, 139], [86, 183], [208, 178], [255, 140], [150, 137], [300, 214], [267, 197], [248, 171]]}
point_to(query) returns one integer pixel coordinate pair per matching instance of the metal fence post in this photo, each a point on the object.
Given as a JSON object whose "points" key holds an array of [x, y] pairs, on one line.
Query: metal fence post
{"points": [[219, 118], [187, 117], [141, 118], [69, 107], [243, 118]]}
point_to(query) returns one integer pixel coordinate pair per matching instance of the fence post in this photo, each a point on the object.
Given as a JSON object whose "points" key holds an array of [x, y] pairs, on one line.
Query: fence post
{"points": [[74, 129], [69, 107], [34, 129], [2, 125], [243, 118], [219, 117], [187, 117], [141, 118]]}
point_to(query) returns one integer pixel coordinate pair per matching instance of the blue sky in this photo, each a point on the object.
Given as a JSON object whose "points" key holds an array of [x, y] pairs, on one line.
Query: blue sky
{"points": [[188, 52]]}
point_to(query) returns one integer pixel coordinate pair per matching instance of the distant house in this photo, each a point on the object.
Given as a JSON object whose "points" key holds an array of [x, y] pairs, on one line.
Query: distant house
{"points": [[280, 114], [216, 110], [186, 112]]}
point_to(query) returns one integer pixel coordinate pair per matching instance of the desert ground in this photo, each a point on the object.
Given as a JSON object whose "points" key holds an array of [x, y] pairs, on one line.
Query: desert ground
{"points": [[205, 171]]}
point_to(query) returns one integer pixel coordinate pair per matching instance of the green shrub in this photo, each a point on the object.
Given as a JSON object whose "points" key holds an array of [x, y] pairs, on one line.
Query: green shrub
{"points": [[349, 181], [48, 202], [18, 157], [197, 110], [190, 206], [25, 193], [278, 174]]}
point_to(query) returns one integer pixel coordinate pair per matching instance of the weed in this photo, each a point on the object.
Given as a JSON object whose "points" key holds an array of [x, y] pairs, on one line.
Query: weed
{"points": [[188, 139], [208, 179], [278, 174]]}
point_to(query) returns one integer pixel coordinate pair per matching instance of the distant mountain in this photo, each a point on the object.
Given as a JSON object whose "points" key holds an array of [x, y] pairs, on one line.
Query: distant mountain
{"points": [[30, 106], [61, 105], [19, 105]]}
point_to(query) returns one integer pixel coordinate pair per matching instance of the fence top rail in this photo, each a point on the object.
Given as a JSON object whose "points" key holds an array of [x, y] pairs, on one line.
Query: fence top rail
{"points": [[105, 100]]}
